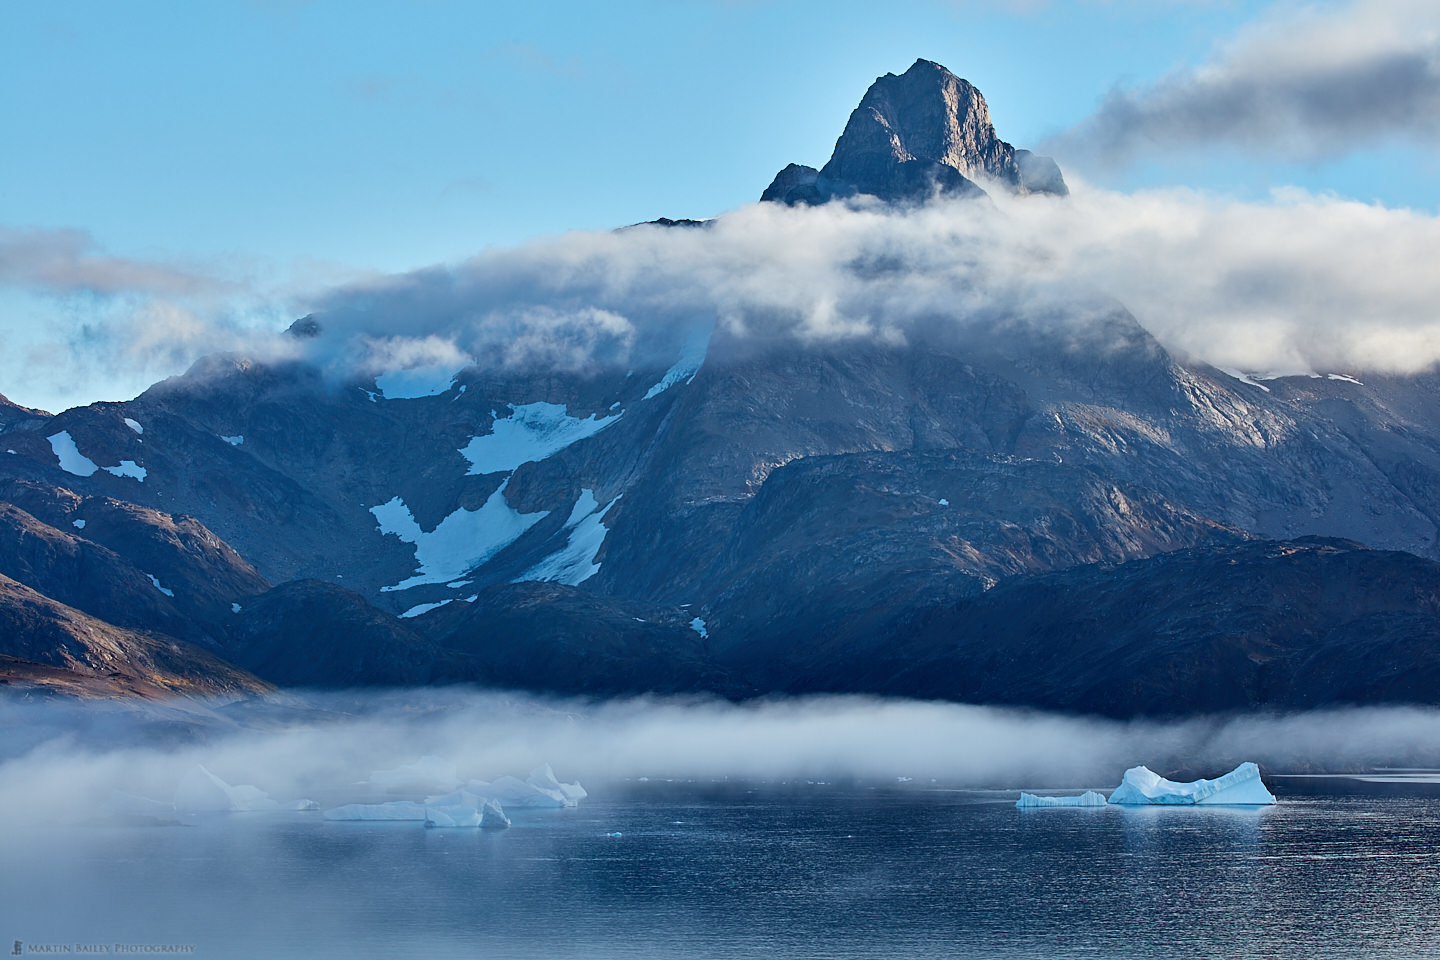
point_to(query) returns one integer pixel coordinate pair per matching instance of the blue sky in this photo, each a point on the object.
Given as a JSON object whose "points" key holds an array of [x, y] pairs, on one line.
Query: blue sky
{"points": [[279, 146]]}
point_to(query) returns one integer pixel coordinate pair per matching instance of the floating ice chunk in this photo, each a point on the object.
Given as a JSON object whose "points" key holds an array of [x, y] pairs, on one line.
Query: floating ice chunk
{"points": [[134, 425], [1240, 786], [457, 816], [200, 791], [1090, 798], [302, 805], [78, 524], [70, 457], [533, 431], [492, 816], [234, 441], [698, 626], [11, 451], [394, 810], [944, 502], [575, 562], [127, 468], [155, 580], [461, 542], [540, 789], [428, 381], [692, 358], [544, 778], [426, 775], [235, 608]]}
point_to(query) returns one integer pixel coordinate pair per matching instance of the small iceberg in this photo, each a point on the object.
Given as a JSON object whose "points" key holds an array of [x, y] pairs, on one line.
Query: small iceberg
{"points": [[1090, 798], [1241, 786]]}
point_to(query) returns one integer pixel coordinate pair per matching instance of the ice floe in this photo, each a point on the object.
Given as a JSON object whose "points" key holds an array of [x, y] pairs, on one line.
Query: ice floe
{"points": [[532, 431], [1241, 786], [1090, 798], [461, 542], [575, 562]]}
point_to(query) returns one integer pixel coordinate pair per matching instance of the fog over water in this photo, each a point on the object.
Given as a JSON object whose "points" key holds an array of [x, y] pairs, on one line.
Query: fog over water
{"points": [[62, 760]]}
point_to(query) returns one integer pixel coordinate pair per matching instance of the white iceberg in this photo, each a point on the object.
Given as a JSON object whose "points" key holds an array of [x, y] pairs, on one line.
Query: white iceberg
{"points": [[457, 816], [1090, 798], [540, 789], [200, 791], [394, 810], [1241, 786]]}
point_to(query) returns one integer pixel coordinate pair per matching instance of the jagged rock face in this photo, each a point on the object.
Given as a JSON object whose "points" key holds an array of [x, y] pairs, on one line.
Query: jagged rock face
{"points": [[923, 133]]}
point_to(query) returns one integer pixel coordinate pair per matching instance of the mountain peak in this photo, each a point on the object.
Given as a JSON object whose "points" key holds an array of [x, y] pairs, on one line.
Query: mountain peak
{"points": [[915, 135]]}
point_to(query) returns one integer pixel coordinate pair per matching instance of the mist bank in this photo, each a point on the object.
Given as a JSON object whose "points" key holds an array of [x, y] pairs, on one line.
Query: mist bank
{"points": [[64, 759], [1302, 283]]}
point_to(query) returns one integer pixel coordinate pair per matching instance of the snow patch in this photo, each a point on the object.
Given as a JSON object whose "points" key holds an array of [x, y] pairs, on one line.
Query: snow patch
{"points": [[533, 431], [692, 358], [698, 626], [134, 425], [70, 457], [78, 524], [415, 383], [461, 542], [234, 441], [235, 608], [127, 468], [1341, 376], [944, 502], [420, 608], [156, 581], [1243, 378], [575, 563]]}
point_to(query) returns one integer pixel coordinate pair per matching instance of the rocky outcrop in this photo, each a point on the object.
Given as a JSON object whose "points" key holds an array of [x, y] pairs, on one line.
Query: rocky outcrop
{"points": [[921, 134]]}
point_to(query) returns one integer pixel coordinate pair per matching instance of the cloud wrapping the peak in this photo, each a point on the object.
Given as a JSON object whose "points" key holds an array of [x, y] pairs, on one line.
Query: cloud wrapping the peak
{"points": [[1300, 283], [1306, 83]]}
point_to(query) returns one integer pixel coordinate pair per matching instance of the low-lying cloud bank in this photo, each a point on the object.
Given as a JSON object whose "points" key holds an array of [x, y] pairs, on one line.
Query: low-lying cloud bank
{"points": [[1302, 283], [63, 760], [1306, 82]]}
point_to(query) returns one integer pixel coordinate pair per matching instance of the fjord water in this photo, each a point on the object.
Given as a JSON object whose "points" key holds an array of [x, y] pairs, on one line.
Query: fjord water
{"points": [[812, 870]]}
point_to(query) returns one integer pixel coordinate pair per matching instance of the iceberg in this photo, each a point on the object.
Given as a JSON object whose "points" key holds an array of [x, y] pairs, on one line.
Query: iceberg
{"points": [[200, 791], [540, 789], [1090, 798], [451, 817], [1241, 786]]}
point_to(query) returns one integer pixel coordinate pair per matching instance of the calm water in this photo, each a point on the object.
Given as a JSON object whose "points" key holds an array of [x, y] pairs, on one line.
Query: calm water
{"points": [[1336, 869]]}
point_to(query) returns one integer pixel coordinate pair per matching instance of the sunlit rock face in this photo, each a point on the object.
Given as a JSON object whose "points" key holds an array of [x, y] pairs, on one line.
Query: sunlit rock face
{"points": [[923, 133]]}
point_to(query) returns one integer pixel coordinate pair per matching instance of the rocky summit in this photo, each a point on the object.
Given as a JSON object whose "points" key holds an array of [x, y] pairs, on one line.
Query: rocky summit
{"points": [[921, 134], [1020, 509]]}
